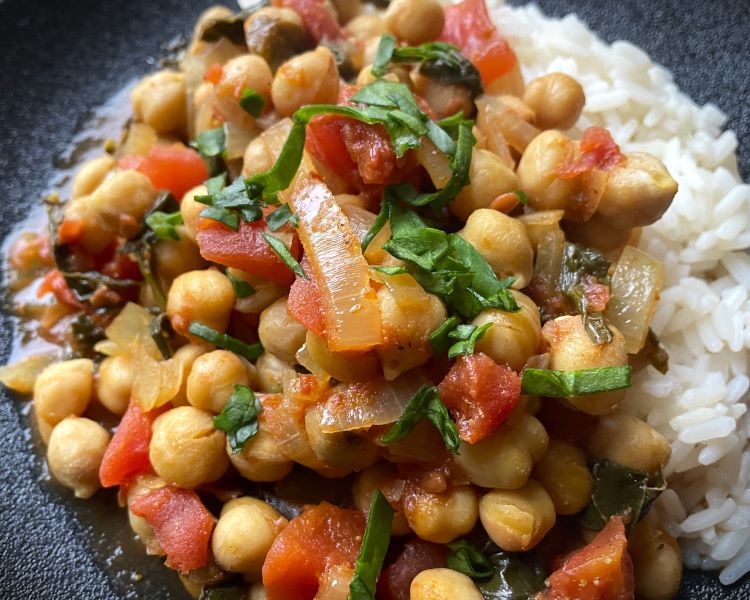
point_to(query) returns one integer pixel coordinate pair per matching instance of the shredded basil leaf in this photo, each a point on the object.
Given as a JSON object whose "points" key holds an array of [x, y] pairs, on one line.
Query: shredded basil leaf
{"points": [[228, 204], [468, 336], [280, 249], [161, 332], [469, 560], [252, 102], [568, 384], [239, 418], [439, 339], [374, 547], [242, 289], [164, 224], [390, 270], [518, 576], [227, 342], [425, 404], [522, 197], [86, 332], [211, 145], [280, 217]]}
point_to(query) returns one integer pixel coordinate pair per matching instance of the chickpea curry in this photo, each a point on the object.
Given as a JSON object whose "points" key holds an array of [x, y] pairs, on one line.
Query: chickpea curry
{"points": [[364, 313]]}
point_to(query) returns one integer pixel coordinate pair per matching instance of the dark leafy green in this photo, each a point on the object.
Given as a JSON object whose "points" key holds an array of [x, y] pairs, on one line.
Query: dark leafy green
{"points": [[228, 204], [280, 249], [239, 418], [374, 547], [230, 27], [568, 384], [222, 340], [517, 576], [223, 592], [280, 217], [654, 353], [85, 333], [522, 197], [161, 332], [440, 339], [242, 289], [275, 38], [211, 145], [252, 102], [619, 490], [389, 270], [467, 335], [164, 224], [425, 404], [469, 560]]}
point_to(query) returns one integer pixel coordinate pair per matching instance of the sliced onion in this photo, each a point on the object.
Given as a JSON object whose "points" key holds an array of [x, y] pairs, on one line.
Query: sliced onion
{"points": [[158, 381], [138, 141], [366, 404], [361, 220], [21, 376], [636, 284], [238, 138], [353, 321], [306, 360], [131, 324], [539, 223], [549, 256], [435, 162], [495, 117]]}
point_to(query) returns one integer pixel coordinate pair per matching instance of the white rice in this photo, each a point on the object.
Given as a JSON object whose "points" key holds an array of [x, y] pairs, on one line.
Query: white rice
{"points": [[703, 318]]}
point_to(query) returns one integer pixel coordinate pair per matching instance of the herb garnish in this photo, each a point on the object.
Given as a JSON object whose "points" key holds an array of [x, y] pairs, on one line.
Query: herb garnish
{"points": [[280, 250], [161, 332], [374, 547], [280, 217], [518, 576], [389, 270], [252, 102], [239, 418], [469, 560], [568, 384], [222, 340], [211, 145], [164, 224], [242, 289]]}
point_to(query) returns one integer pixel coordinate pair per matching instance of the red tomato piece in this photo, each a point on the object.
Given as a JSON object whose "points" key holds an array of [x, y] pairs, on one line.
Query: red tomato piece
{"points": [[480, 395], [127, 453], [325, 141], [55, 282], [369, 146], [175, 168], [316, 16], [417, 556], [305, 303], [468, 26], [122, 266], [598, 151], [244, 249], [181, 523], [322, 537], [70, 231], [601, 570], [213, 73]]}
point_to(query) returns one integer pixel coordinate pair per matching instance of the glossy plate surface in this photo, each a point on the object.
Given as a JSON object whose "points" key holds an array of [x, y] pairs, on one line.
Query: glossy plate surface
{"points": [[59, 59]]}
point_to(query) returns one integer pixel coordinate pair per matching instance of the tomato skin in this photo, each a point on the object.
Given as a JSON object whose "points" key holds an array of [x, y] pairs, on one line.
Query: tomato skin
{"points": [[468, 26], [597, 151], [55, 282], [319, 22], [325, 142], [244, 249], [305, 302], [181, 523], [321, 537], [417, 556], [213, 73], [601, 570], [480, 395], [175, 168], [127, 453]]}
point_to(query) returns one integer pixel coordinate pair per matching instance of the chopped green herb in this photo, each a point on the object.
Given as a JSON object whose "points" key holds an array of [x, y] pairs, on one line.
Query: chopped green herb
{"points": [[518, 576], [280, 249], [162, 332], [228, 204], [280, 217], [252, 102], [440, 338], [469, 560], [164, 224], [390, 270], [522, 197], [227, 342], [568, 384], [239, 418], [211, 145], [374, 547], [468, 336], [86, 332], [242, 289], [425, 404]]}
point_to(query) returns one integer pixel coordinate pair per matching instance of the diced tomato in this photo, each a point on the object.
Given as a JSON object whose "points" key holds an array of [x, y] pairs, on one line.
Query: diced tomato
{"points": [[127, 453], [175, 168], [417, 556], [480, 395], [55, 282], [316, 16], [122, 266], [597, 294], [601, 570], [325, 142], [244, 249], [305, 303], [598, 151], [213, 73], [181, 523], [468, 26], [70, 231], [320, 538]]}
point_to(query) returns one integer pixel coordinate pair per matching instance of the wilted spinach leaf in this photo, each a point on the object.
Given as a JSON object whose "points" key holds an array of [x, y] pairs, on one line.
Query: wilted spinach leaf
{"points": [[517, 576], [223, 592]]}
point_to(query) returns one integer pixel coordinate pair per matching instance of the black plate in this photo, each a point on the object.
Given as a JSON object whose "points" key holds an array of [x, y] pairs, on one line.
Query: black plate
{"points": [[58, 59]]}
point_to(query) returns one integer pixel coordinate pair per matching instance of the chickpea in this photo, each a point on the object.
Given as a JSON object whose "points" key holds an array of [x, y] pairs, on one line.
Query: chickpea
{"points": [[366, 27], [380, 476], [160, 100], [415, 21], [114, 383], [266, 292], [248, 71], [185, 448], [517, 520], [271, 372], [572, 349], [345, 451], [175, 257], [347, 9], [490, 177], [598, 232], [63, 390], [309, 78], [504, 460], [75, 452], [556, 99], [257, 592], [343, 367], [443, 584], [190, 210], [208, 18], [657, 562], [262, 152], [629, 441], [279, 332], [276, 34], [563, 473], [445, 100], [212, 379], [536, 171], [334, 583], [441, 518], [638, 191], [514, 336], [91, 174], [243, 535], [260, 459], [503, 242], [203, 296]]}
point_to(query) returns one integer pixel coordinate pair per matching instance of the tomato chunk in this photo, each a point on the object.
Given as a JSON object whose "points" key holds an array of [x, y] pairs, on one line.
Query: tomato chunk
{"points": [[305, 303], [316, 16], [245, 249], [601, 570], [127, 453], [175, 168], [598, 151], [320, 538], [468, 26], [181, 523], [55, 282], [417, 556], [480, 395]]}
